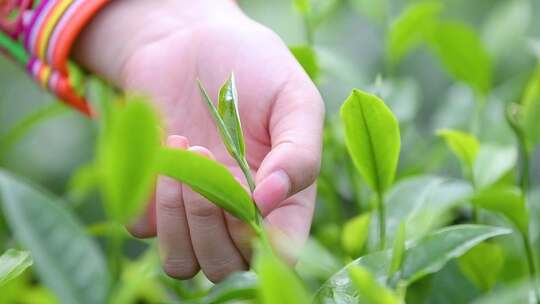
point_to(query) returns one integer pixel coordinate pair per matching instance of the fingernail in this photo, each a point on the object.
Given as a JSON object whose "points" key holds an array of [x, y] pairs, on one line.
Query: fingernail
{"points": [[177, 141], [273, 190], [202, 150]]}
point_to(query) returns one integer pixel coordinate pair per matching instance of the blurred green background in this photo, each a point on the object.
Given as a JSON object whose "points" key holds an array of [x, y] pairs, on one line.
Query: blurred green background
{"points": [[350, 43]]}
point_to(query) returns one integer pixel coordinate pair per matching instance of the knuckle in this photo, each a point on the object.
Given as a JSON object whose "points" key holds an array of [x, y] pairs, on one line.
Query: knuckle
{"points": [[201, 209], [309, 162], [170, 206], [180, 268]]}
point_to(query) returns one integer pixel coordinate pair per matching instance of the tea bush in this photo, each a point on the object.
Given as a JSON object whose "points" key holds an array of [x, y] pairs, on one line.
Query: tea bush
{"points": [[428, 192]]}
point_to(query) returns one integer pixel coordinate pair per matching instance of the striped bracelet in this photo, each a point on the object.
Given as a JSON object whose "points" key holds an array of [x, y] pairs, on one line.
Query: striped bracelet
{"points": [[39, 35]]}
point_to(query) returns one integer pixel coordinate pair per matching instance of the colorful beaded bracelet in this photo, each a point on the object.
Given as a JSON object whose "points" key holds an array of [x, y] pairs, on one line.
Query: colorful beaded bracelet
{"points": [[39, 35]]}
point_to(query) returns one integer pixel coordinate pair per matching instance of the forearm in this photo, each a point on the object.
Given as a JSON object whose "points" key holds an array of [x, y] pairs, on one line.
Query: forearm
{"points": [[123, 27]]}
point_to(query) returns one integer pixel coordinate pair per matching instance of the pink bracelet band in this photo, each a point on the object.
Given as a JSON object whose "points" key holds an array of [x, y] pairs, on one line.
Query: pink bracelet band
{"points": [[45, 32]]}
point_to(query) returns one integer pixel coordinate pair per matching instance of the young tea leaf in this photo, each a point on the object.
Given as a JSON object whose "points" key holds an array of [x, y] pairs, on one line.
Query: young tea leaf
{"points": [[209, 178], [369, 290], [307, 57], [355, 234], [507, 200], [65, 258], [462, 53], [277, 282], [464, 146], [483, 264], [222, 127], [13, 263], [228, 111], [372, 138], [412, 28], [127, 155], [227, 119]]}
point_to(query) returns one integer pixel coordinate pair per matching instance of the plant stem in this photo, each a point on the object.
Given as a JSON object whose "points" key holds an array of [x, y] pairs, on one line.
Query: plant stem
{"points": [[244, 166], [115, 255], [258, 227], [475, 209], [524, 182], [382, 220], [309, 31], [531, 266]]}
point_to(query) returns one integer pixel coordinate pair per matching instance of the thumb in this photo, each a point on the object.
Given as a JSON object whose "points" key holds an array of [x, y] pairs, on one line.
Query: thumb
{"points": [[295, 127]]}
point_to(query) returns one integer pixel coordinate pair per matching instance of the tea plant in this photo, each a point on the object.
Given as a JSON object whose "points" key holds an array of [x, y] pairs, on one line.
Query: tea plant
{"points": [[418, 202]]}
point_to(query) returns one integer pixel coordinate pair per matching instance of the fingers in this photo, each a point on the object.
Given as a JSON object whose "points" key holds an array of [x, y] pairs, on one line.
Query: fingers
{"points": [[296, 134], [177, 253], [213, 247], [289, 224], [145, 227]]}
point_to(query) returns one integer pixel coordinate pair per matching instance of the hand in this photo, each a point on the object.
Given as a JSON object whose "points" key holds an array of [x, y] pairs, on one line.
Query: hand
{"points": [[160, 49]]}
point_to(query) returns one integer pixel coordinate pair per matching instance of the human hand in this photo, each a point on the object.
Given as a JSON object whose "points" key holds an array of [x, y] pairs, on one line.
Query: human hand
{"points": [[160, 48]]}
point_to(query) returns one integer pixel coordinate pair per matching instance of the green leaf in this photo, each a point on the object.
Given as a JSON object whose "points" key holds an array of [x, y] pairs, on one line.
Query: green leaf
{"points": [[464, 146], [369, 290], [530, 111], [317, 261], [127, 156], [307, 57], [355, 234], [463, 55], [492, 163], [425, 256], [412, 28], [511, 293], [423, 202], [237, 286], [209, 178], [83, 181], [277, 282], [442, 246], [66, 260], [228, 111], [372, 138], [398, 250], [507, 200], [483, 264], [302, 6], [13, 263]]}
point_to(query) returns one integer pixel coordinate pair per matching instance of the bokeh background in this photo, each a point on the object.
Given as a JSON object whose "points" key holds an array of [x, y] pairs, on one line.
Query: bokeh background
{"points": [[351, 48]]}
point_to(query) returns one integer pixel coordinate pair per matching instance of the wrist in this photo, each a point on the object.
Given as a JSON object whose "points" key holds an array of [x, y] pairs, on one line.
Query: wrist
{"points": [[122, 28]]}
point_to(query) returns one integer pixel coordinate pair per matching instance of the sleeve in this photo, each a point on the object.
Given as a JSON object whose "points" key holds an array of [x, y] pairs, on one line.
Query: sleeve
{"points": [[39, 34]]}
